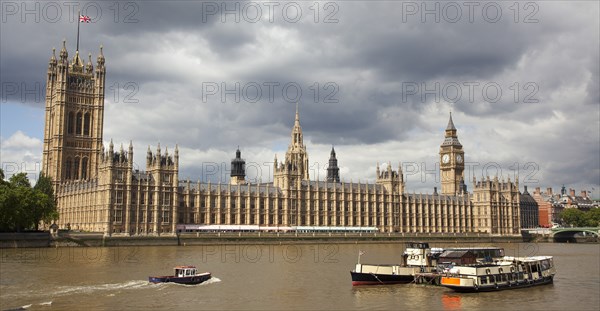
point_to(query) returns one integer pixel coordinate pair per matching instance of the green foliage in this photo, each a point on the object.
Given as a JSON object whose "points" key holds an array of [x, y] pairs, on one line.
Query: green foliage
{"points": [[594, 217], [23, 207], [578, 218], [47, 204]]}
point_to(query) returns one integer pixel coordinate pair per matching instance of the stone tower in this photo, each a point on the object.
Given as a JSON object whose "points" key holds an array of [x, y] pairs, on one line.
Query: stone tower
{"points": [[290, 172], [162, 194], [333, 171], [392, 181], [238, 169], [74, 117], [452, 162]]}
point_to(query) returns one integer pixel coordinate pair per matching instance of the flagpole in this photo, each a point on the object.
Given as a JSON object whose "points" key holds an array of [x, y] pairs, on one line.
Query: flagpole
{"points": [[78, 22]]}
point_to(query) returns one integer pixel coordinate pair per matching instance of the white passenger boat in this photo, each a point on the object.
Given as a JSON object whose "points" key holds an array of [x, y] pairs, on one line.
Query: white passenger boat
{"points": [[507, 273]]}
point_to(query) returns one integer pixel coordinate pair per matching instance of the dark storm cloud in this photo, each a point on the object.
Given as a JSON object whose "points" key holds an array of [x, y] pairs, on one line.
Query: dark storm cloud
{"points": [[170, 49]]}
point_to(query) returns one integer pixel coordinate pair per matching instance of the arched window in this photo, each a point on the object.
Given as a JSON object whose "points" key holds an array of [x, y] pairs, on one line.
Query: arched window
{"points": [[84, 168], [68, 165], [86, 124], [76, 168], [70, 123], [79, 123]]}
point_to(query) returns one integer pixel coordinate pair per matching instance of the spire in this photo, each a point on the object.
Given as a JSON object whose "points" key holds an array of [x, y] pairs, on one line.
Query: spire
{"points": [[297, 140], [53, 57], [89, 67], [450, 124], [333, 171], [63, 51], [100, 59], [451, 138], [77, 60]]}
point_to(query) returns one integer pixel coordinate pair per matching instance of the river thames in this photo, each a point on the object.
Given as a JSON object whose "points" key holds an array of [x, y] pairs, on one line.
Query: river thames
{"points": [[288, 276]]}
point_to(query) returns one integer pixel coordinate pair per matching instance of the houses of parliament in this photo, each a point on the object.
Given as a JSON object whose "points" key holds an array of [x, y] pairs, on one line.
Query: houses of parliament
{"points": [[97, 188]]}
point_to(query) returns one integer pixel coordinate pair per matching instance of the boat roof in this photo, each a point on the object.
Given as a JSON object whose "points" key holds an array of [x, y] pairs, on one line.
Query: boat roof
{"points": [[527, 259], [456, 254], [185, 267], [473, 248]]}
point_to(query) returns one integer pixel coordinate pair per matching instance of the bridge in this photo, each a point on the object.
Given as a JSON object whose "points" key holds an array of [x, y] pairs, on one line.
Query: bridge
{"points": [[571, 234]]}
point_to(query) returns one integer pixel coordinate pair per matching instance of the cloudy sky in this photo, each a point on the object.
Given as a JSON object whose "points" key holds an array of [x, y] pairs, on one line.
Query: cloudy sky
{"points": [[376, 79]]}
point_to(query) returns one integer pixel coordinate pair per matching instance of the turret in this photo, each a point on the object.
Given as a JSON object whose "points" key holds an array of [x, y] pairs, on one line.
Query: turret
{"points": [[130, 154], [333, 171], [89, 68], [238, 169]]}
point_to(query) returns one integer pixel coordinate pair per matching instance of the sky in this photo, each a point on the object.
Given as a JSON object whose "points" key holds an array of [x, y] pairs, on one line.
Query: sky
{"points": [[375, 79]]}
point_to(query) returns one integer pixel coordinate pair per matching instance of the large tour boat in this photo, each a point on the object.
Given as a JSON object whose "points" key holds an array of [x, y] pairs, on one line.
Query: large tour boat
{"points": [[508, 273], [420, 263], [183, 275]]}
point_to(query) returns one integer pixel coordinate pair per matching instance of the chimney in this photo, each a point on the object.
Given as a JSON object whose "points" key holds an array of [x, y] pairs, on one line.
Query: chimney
{"points": [[584, 193], [537, 191], [549, 191], [572, 192], [525, 190]]}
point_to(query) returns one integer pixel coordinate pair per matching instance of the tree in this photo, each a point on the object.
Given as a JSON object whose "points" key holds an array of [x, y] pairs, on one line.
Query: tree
{"points": [[594, 217], [46, 204], [23, 207], [574, 217]]}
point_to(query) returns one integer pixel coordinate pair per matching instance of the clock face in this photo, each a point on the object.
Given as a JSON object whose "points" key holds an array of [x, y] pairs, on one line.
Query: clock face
{"points": [[445, 158], [459, 158]]}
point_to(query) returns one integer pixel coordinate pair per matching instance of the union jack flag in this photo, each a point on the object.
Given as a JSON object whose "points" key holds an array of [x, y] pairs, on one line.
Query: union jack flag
{"points": [[84, 19]]}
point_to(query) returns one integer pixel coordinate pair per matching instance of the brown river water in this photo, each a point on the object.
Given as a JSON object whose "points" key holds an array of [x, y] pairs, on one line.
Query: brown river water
{"points": [[292, 276]]}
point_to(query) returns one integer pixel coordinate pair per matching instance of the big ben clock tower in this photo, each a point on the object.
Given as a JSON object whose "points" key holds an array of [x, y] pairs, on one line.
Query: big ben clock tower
{"points": [[452, 162]]}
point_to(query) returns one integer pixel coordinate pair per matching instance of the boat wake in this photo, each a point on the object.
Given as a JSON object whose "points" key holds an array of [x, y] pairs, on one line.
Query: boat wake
{"points": [[84, 289], [25, 307]]}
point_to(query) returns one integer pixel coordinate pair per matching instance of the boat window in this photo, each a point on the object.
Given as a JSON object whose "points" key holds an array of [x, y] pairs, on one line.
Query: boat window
{"points": [[483, 280]]}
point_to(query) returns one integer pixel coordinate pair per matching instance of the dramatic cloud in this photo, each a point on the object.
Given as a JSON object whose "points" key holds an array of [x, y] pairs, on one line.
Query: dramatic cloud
{"points": [[377, 81]]}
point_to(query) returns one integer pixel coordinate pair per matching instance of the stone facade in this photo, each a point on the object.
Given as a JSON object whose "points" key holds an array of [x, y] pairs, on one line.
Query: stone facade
{"points": [[98, 189]]}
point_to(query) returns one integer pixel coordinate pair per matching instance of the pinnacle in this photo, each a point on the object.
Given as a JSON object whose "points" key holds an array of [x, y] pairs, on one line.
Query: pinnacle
{"points": [[450, 124]]}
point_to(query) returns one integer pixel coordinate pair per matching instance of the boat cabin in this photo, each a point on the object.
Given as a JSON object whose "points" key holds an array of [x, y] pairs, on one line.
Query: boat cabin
{"points": [[417, 254], [183, 271], [458, 257]]}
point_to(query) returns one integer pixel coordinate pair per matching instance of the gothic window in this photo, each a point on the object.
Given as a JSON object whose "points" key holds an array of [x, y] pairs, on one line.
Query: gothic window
{"points": [[86, 124], [68, 165], [84, 168], [70, 123], [76, 168], [79, 123]]}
